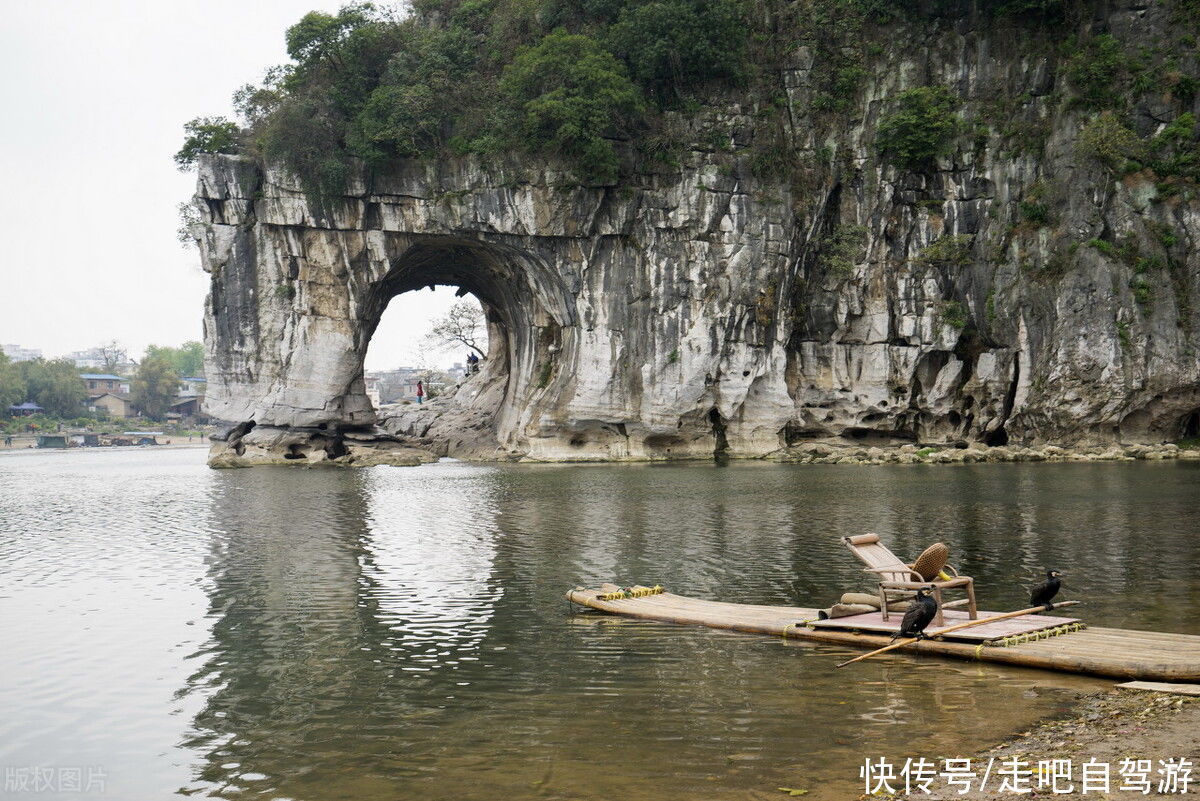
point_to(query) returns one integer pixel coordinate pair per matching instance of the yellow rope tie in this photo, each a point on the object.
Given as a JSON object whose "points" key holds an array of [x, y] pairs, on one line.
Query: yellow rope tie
{"points": [[1033, 636], [630, 592]]}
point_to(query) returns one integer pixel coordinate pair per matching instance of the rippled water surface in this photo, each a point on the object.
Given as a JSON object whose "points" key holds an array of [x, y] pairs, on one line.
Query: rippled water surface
{"points": [[401, 633]]}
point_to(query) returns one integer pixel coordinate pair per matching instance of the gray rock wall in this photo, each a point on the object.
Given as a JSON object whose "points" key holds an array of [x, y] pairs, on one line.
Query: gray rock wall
{"points": [[698, 308]]}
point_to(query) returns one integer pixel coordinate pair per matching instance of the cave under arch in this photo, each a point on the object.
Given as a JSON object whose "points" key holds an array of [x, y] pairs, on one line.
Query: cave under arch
{"points": [[530, 322]]}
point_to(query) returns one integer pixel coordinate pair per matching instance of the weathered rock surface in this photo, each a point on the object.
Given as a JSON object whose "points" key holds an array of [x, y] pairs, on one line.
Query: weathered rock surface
{"points": [[696, 309]]}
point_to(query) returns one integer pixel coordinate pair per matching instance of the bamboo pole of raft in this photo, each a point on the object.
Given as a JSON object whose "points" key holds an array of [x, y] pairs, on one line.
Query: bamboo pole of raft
{"points": [[1031, 610]]}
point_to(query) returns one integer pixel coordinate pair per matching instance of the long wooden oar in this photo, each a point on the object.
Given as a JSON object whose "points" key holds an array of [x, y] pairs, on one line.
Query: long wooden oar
{"points": [[956, 627]]}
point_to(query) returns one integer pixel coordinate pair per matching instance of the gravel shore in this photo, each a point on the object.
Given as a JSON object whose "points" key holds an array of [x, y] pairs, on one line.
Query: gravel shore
{"points": [[1107, 727], [837, 453]]}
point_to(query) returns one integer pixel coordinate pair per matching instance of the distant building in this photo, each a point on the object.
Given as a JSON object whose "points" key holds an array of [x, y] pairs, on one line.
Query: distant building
{"points": [[373, 391], [97, 383], [18, 354], [397, 385], [192, 406], [114, 404], [24, 409], [457, 372], [192, 387], [93, 357]]}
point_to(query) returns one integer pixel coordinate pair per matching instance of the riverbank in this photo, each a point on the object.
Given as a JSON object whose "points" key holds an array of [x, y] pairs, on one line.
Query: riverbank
{"points": [[1107, 727], [30, 444], [831, 453]]}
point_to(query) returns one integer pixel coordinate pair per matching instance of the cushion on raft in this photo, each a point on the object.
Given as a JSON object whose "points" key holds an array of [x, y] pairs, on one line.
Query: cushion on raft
{"points": [[931, 561], [867, 599], [846, 610]]}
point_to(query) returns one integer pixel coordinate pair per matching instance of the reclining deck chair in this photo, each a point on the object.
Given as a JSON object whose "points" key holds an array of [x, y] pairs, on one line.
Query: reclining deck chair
{"points": [[899, 579]]}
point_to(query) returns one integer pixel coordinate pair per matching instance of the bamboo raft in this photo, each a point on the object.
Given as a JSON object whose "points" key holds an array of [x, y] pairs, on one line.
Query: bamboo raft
{"points": [[1112, 653]]}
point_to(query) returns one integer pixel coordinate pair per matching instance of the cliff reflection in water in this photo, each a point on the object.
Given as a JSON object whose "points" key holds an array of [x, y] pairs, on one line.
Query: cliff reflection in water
{"points": [[394, 633]]}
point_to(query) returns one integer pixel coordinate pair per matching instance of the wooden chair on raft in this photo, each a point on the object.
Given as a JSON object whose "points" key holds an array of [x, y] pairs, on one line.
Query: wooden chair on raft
{"points": [[899, 580]]}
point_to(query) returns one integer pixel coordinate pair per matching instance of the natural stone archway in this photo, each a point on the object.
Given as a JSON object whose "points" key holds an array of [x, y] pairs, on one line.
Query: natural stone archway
{"points": [[703, 311], [531, 328]]}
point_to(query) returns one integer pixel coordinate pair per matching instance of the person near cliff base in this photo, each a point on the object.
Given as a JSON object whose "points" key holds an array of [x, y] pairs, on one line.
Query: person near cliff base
{"points": [[420, 391]]}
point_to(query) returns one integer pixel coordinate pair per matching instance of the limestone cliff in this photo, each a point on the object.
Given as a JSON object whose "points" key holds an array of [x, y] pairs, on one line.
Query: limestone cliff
{"points": [[713, 307]]}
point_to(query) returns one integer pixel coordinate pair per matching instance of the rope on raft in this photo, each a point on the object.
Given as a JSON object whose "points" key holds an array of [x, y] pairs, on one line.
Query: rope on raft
{"points": [[1031, 636], [630, 592]]}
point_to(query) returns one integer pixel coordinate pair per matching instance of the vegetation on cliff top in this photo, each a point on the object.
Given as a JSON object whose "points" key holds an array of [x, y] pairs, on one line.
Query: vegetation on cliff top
{"points": [[589, 79]]}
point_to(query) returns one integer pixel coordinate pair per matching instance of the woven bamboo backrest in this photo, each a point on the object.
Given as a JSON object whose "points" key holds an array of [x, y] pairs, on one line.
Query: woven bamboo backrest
{"points": [[873, 553]]}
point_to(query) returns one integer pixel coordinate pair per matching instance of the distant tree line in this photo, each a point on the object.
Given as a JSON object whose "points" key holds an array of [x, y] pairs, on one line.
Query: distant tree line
{"points": [[56, 386]]}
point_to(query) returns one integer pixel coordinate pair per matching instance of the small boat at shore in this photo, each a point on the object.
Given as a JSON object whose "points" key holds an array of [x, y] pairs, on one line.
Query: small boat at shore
{"points": [[1039, 641]]}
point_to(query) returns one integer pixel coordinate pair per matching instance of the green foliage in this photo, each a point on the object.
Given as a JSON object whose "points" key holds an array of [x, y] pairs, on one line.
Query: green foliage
{"points": [[834, 33], [414, 107], [569, 94], [1123, 335], [1105, 140], [12, 385], [1104, 246], [54, 385], [544, 374], [671, 46], [1047, 10], [1037, 214], [1140, 283], [305, 135], [187, 360], [1175, 150], [954, 314], [949, 250], [154, 385], [319, 36], [921, 127], [207, 135], [840, 250], [673, 356], [1095, 71]]}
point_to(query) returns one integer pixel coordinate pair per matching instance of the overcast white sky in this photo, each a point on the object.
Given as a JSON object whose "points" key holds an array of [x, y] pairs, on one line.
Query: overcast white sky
{"points": [[95, 94]]}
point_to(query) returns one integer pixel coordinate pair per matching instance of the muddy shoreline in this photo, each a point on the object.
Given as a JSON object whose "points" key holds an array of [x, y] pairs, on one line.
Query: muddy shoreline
{"points": [[828, 453], [1106, 726]]}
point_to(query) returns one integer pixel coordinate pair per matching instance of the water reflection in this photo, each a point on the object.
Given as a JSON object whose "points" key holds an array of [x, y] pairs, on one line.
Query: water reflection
{"points": [[401, 633]]}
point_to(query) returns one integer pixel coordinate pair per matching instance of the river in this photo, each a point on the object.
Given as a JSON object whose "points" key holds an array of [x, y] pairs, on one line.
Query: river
{"points": [[401, 633]]}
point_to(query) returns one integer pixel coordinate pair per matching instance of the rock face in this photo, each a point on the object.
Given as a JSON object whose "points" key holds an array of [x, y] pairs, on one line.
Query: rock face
{"points": [[714, 307]]}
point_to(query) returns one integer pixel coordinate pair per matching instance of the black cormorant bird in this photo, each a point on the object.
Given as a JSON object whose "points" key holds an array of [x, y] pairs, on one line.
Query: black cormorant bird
{"points": [[920, 614], [1043, 593]]}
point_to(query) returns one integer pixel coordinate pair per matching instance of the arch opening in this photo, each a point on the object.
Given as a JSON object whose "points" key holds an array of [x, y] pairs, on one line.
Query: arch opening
{"points": [[523, 308]]}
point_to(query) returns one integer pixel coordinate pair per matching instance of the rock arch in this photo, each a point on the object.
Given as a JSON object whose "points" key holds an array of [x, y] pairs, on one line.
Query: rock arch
{"points": [[531, 328]]}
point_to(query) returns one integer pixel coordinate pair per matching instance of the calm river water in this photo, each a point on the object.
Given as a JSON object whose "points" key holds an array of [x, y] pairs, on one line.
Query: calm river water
{"points": [[401, 633]]}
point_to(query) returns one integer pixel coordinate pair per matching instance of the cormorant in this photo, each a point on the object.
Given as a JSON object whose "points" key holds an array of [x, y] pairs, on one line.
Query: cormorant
{"points": [[1043, 593], [921, 612]]}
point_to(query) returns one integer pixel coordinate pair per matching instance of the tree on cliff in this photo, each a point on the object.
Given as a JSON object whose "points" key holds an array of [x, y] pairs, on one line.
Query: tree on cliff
{"points": [[572, 96], [920, 128], [207, 135], [155, 385], [54, 385], [463, 324]]}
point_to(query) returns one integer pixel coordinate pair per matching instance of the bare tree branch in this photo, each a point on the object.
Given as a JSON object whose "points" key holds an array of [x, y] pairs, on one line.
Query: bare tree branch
{"points": [[463, 324]]}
